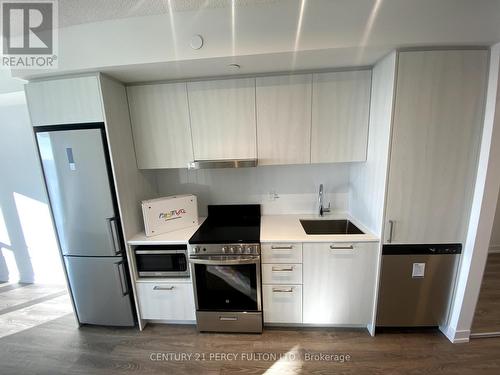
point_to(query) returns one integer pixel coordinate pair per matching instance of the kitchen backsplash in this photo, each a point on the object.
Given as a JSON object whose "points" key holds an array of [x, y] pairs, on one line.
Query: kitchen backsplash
{"points": [[284, 189]]}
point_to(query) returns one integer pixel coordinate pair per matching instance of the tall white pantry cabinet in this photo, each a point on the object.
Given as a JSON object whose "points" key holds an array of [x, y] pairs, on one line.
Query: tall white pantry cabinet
{"points": [[436, 131]]}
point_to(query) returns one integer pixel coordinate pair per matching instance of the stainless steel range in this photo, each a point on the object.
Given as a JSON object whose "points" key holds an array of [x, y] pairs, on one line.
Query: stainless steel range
{"points": [[225, 264]]}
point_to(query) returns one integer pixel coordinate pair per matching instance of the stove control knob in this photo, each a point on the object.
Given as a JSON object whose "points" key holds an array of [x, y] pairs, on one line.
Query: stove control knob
{"points": [[240, 250], [196, 249], [248, 250], [231, 250], [224, 249]]}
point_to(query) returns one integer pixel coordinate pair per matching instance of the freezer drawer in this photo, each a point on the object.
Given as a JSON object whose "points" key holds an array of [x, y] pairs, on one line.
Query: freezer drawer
{"points": [[100, 290], [416, 284]]}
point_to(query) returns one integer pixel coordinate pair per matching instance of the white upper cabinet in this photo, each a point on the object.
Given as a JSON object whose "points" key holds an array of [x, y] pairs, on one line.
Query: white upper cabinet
{"points": [[223, 118], [340, 110], [284, 119], [436, 131], [64, 101], [160, 124]]}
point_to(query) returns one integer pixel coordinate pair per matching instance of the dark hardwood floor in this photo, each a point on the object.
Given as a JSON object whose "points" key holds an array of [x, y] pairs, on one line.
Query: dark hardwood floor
{"points": [[487, 316], [23, 306], [59, 347]]}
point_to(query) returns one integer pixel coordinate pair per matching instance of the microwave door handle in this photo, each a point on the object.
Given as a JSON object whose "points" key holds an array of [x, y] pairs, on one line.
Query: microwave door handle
{"points": [[218, 262]]}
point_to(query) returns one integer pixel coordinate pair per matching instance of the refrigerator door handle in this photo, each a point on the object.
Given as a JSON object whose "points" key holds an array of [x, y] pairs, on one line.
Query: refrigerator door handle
{"points": [[391, 231], [123, 280], [113, 231]]}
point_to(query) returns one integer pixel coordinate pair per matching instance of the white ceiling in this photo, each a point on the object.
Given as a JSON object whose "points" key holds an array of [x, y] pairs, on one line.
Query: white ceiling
{"points": [[137, 41], [249, 65], [76, 12]]}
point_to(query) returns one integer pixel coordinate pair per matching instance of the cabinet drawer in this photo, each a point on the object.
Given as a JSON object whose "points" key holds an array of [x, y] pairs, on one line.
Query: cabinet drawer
{"points": [[282, 273], [281, 253], [166, 301], [282, 303]]}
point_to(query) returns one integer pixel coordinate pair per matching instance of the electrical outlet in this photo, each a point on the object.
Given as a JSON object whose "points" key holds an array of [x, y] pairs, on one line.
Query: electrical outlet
{"points": [[273, 195]]}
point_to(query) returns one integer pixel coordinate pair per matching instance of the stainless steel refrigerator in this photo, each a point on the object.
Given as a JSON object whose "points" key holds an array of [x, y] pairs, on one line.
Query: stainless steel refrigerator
{"points": [[79, 182]]}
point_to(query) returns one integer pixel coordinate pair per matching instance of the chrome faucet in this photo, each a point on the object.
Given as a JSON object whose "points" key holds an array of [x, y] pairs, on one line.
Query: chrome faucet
{"points": [[322, 209]]}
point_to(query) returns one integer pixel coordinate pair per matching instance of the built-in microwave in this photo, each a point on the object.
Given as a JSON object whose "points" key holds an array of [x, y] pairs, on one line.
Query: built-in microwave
{"points": [[161, 261]]}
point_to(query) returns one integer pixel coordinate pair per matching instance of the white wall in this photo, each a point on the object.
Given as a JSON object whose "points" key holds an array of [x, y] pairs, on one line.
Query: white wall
{"points": [[9, 84], [29, 249], [132, 185], [368, 180], [475, 251], [495, 233], [296, 185]]}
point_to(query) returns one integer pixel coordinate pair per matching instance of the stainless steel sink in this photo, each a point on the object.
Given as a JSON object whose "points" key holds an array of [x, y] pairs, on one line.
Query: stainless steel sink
{"points": [[330, 227]]}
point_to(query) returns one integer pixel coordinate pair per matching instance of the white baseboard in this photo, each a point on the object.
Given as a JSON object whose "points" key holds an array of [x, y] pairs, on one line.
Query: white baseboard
{"points": [[484, 335], [456, 337], [494, 249]]}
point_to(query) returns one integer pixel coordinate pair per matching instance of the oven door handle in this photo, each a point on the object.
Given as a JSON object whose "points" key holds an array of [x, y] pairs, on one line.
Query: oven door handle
{"points": [[219, 262]]}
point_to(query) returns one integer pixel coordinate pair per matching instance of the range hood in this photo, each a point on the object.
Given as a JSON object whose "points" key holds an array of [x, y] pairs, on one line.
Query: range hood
{"points": [[222, 163]]}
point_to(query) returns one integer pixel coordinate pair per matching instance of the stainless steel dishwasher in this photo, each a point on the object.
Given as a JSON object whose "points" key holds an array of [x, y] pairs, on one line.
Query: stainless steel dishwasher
{"points": [[416, 283]]}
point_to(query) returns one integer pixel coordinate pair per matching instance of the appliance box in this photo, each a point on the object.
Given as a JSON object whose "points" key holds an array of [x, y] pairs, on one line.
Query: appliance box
{"points": [[168, 214]]}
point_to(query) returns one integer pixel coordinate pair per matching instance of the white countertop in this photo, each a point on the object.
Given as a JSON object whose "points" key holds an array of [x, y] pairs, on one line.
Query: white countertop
{"points": [[180, 236], [273, 228], [287, 228]]}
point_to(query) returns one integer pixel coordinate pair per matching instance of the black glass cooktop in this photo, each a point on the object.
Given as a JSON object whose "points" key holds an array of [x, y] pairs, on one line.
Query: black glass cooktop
{"points": [[229, 224]]}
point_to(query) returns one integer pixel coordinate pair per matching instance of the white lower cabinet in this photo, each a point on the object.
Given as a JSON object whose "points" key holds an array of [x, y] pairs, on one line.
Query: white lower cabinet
{"points": [[282, 283], [165, 301], [339, 283], [282, 303]]}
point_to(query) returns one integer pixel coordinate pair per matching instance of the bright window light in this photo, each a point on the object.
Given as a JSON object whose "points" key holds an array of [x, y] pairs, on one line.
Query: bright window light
{"points": [[40, 239]]}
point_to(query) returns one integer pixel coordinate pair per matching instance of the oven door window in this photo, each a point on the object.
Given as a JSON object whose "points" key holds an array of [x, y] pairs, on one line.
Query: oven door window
{"points": [[226, 287], [161, 262]]}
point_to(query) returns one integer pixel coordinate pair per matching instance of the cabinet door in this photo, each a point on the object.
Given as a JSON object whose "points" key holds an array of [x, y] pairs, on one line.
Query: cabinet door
{"points": [[436, 135], [284, 119], [64, 101], [160, 124], [164, 301], [282, 303], [340, 109], [339, 283], [223, 119]]}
